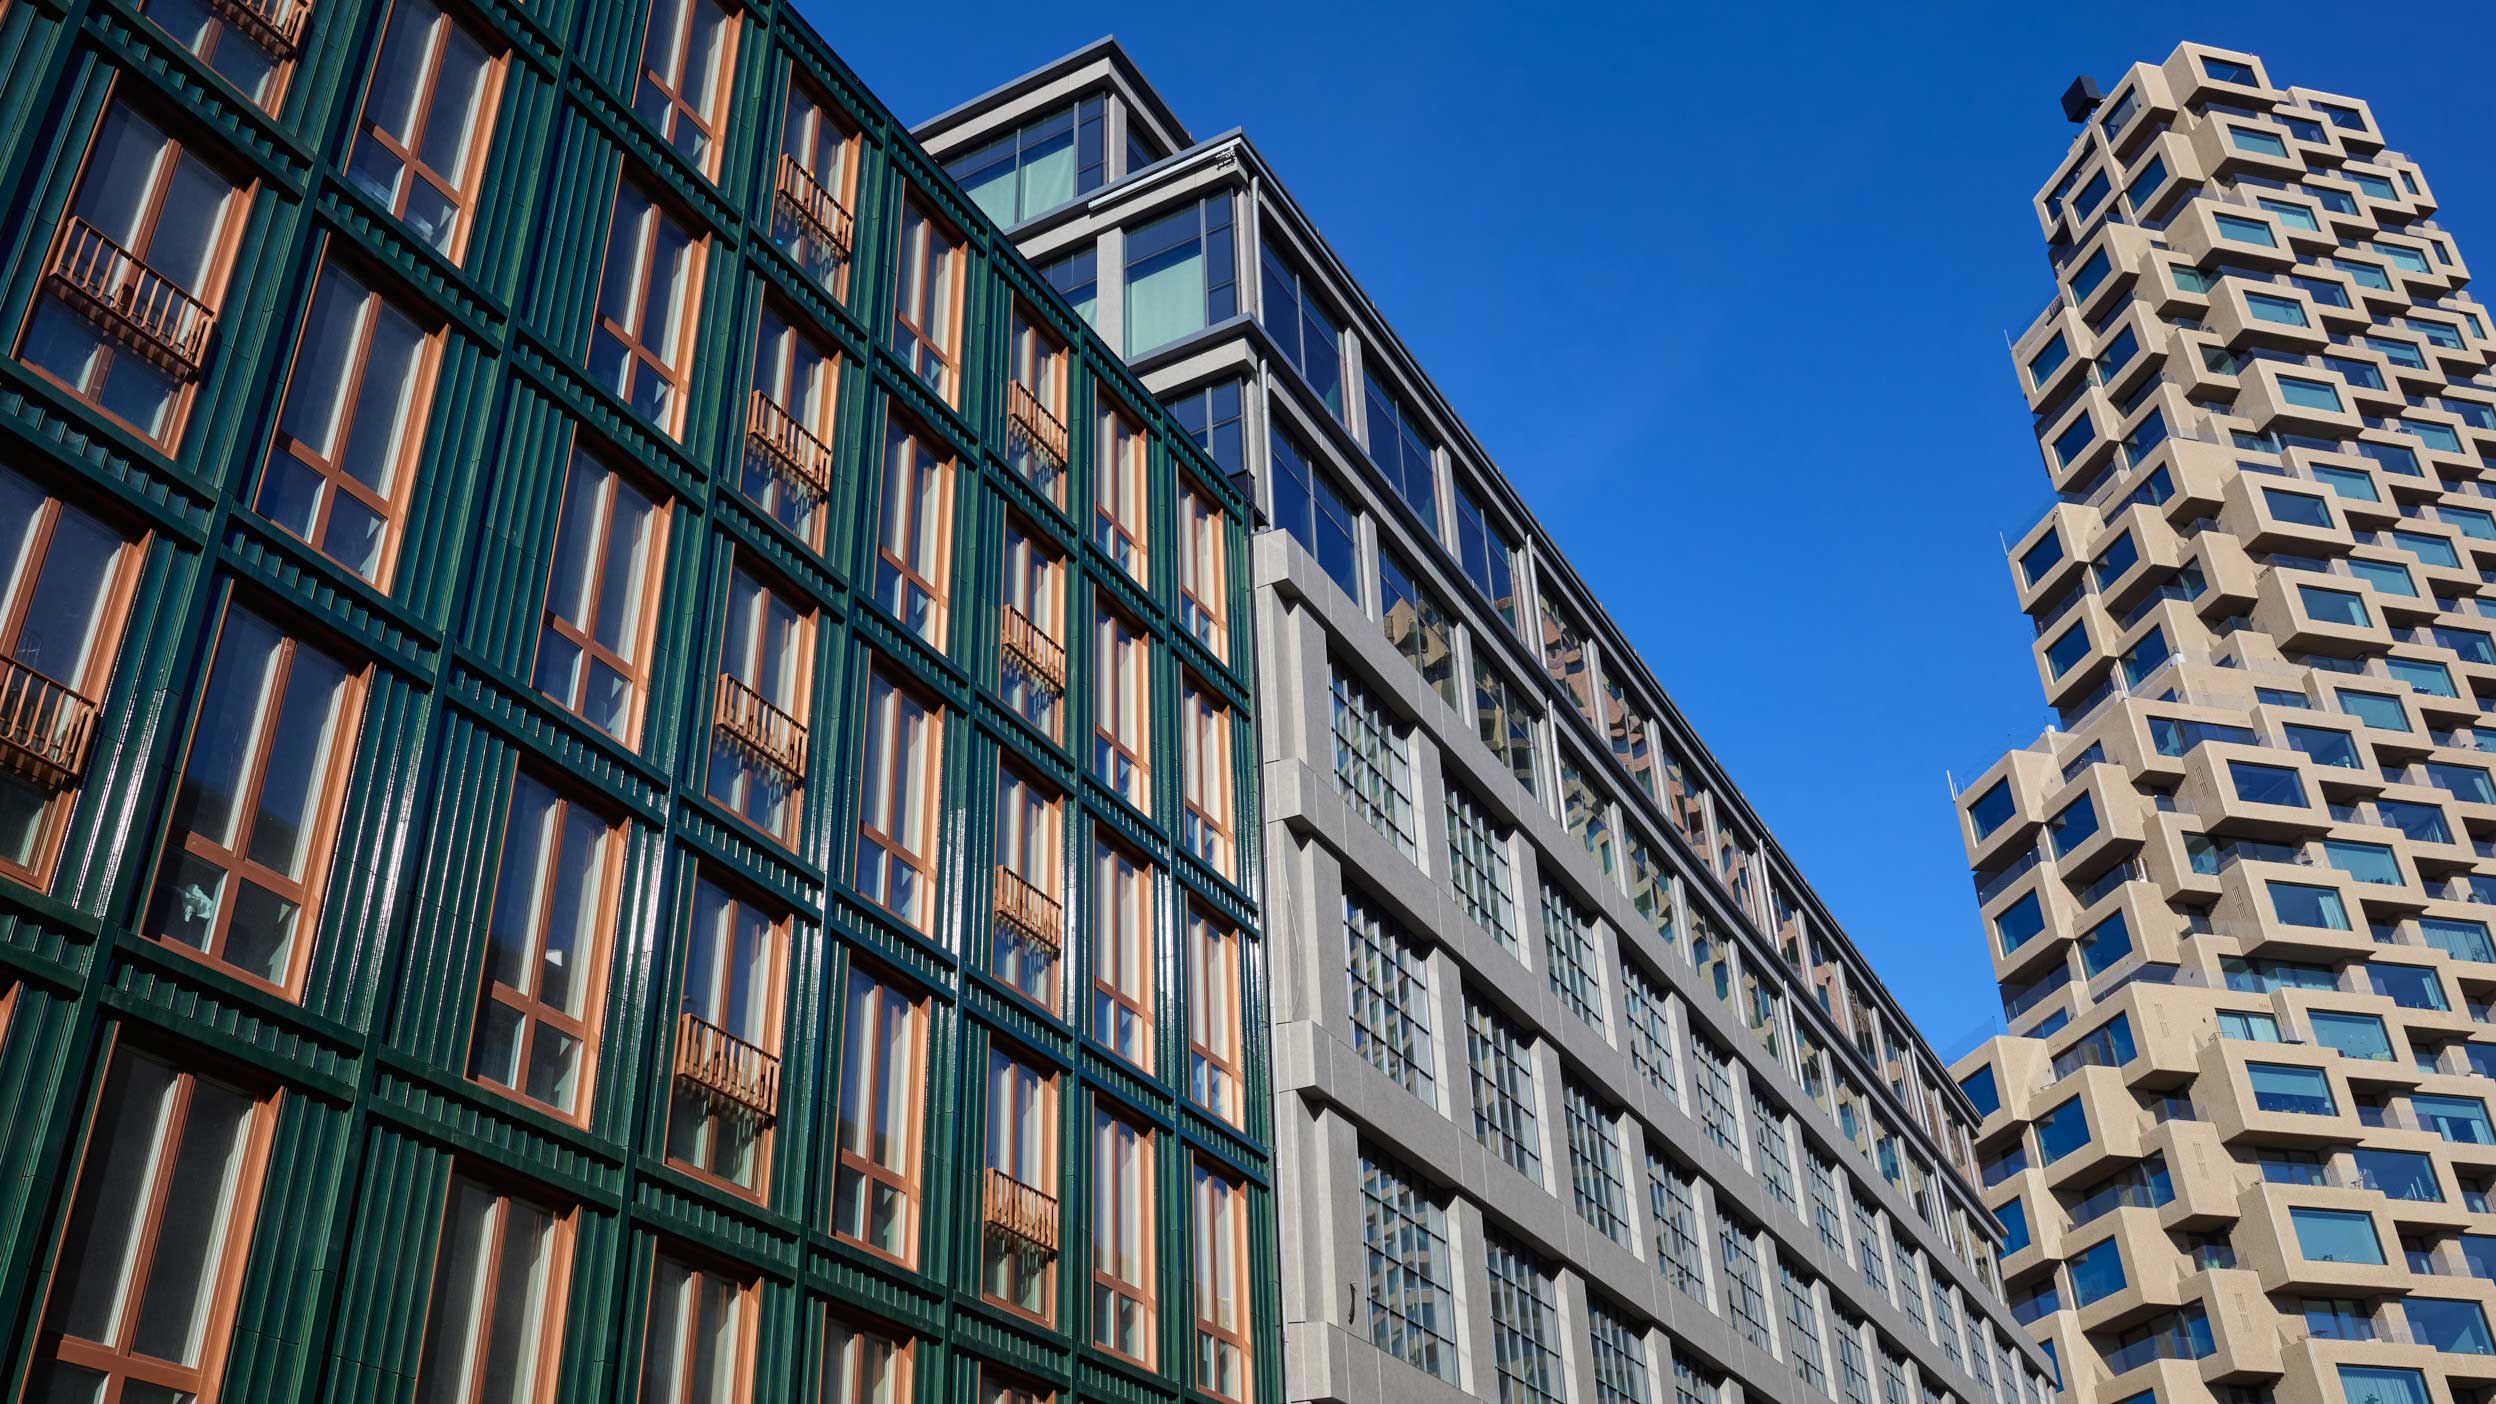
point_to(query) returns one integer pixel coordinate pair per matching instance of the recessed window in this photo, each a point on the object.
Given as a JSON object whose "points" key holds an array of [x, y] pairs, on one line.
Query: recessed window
{"points": [[726, 1097], [2297, 508], [869, 1365], [168, 1190], [2309, 394], [648, 296], [1031, 673], [1019, 1204], [1500, 1064], [1035, 404], [1206, 778], [1122, 953], [2386, 576], [256, 811], [2301, 904], [602, 598], [1401, 449], [1411, 1280], [897, 804], [1122, 715], [875, 1190], [1488, 554], [1121, 485], [61, 619], [428, 120], [2048, 359], [814, 189], [343, 460], [2266, 784], [2285, 311], [2326, 606], [914, 531], [251, 46], [2246, 231], [2336, 1236], [1216, 1065], [787, 464], [137, 269], [2375, 709], [2063, 1130], [1124, 1226], [2353, 1035], [699, 1343], [1223, 1350], [556, 892], [1030, 925], [760, 704], [927, 307], [494, 1323], [2256, 142], [688, 65], [1204, 569]]}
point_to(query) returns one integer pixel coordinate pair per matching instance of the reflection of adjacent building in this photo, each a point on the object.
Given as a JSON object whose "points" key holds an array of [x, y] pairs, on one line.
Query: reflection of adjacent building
{"points": [[2238, 896], [1579, 1093]]}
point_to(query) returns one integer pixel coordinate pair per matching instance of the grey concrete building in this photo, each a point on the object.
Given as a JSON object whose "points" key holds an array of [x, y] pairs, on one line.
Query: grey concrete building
{"points": [[1580, 1092]]}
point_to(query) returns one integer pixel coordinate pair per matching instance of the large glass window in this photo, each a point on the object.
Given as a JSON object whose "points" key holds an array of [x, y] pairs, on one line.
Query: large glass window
{"points": [[137, 269], [602, 598], [688, 66], [875, 1192], [344, 454], [1501, 1065], [428, 118], [1390, 999], [727, 1089], [1488, 554], [142, 1298], [546, 943], [1525, 1328], [1412, 1295], [1371, 771], [1032, 673], [1477, 856], [1416, 623], [1309, 336], [866, 1365], [2336, 1235], [1182, 275], [1030, 928], [493, 1324], [1309, 506], [648, 296], [1038, 166], [1506, 723], [1595, 1183], [1204, 571], [256, 809]]}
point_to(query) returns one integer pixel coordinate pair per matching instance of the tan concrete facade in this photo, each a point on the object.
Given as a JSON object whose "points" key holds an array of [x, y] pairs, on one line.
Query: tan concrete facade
{"points": [[2239, 897], [1581, 1094]]}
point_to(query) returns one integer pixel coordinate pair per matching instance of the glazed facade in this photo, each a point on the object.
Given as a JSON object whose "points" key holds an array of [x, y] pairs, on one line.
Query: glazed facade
{"points": [[2238, 897], [1579, 1093], [587, 815]]}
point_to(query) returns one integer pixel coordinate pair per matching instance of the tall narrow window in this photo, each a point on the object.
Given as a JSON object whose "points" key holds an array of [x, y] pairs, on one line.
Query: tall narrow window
{"points": [[759, 711], [1310, 338], [1415, 621], [1371, 771], [1204, 569], [1032, 628], [251, 46], [602, 598], [1412, 1291], [1119, 486], [699, 1345], [875, 1194], [1309, 506], [1122, 954], [1525, 1327], [1502, 1067], [60, 631], [862, 1364], [815, 187], [547, 936], [1488, 555], [727, 1093], [1506, 723], [1620, 1359], [1205, 773], [897, 809], [493, 1325], [787, 465], [688, 65], [256, 810], [1477, 852], [1121, 750], [1123, 1220], [1596, 1184], [346, 441], [428, 120], [927, 310], [1018, 1244], [1214, 1077], [915, 532], [151, 1265], [1030, 928], [648, 296], [1221, 1281], [134, 276], [1390, 1000], [1035, 405]]}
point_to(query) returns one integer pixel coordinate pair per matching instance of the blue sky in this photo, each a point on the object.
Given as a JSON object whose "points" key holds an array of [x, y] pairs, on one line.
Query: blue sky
{"points": [[1753, 264]]}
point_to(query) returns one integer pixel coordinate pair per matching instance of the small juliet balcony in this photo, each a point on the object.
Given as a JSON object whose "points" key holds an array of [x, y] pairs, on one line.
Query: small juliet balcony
{"points": [[274, 25], [134, 304], [750, 722], [792, 450], [1032, 914], [1029, 647], [46, 729], [726, 1069], [1033, 423], [1017, 1211], [816, 208]]}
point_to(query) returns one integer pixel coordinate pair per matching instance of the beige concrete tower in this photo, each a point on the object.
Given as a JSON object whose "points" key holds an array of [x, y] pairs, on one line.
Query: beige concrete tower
{"points": [[2238, 898]]}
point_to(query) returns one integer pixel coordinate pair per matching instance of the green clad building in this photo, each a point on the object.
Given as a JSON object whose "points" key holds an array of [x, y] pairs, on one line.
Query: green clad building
{"points": [[585, 813]]}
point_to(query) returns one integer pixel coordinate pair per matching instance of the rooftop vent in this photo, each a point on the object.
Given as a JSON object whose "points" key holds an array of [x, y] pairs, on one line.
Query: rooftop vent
{"points": [[2081, 98]]}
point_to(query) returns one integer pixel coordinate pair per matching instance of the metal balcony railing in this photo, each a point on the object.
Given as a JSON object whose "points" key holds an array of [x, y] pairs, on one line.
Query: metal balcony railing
{"points": [[45, 728], [275, 25], [135, 304], [788, 446], [1020, 1212], [1034, 424], [814, 206], [749, 721], [1029, 647], [1035, 915], [727, 1069]]}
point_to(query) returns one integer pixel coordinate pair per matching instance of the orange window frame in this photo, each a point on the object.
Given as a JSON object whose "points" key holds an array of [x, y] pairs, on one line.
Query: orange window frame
{"points": [[811, 408], [535, 1014], [217, 28], [998, 1388], [670, 87], [405, 147], [1124, 1208], [118, 1360], [745, 644], [235, 862], [1206, 777], [551, 1309], [1040, 1104], [901, 527], [769, 1001], [640, 357], [582, 635], [335, 478], [1029, 844], [747, 1298], [926, 243], [1122, 949], [1221, 1238], [872, 1109], [917, 852], [1217, 1078], [819, 148], [1038, 361], [1204, 570], [1120, 490], [845, 1379], [1123, 697]]}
